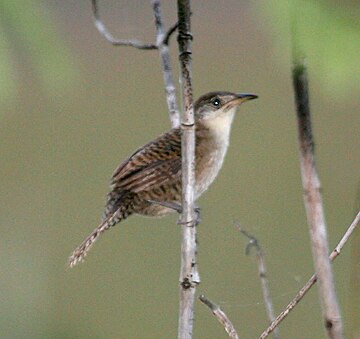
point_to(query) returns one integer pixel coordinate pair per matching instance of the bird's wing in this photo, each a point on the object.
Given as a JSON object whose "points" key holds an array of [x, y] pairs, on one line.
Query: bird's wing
{"points": [[150, 166]]}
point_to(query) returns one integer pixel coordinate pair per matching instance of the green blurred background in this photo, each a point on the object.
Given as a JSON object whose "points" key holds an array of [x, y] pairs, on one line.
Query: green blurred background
{"points": [[72, 107]]}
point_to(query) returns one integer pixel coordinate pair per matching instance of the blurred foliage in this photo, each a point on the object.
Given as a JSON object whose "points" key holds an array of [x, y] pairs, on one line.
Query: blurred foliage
{"points": [[29, 22], [329, 32], [7, 79]]}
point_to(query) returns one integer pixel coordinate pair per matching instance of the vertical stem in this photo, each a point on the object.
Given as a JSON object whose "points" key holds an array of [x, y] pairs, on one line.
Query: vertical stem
{"points": [[189, 276], [312, 196]]}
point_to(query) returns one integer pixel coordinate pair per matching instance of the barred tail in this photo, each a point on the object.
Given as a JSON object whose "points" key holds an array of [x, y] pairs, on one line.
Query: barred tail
{"points": [[81, 251]]}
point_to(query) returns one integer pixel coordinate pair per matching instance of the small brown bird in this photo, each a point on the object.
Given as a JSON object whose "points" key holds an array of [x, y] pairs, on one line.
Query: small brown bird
{"points": [[153, 172]]}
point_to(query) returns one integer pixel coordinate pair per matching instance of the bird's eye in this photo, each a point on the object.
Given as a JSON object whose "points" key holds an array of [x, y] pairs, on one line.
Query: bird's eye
{"points": [[216, 102]]}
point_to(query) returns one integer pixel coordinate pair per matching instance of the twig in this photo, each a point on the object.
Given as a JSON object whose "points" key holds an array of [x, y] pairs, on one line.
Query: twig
{"points": [[334, 254], [123, 42], [221, 317], [162, 41], [189, 275], [260, 256], [312, 196]]}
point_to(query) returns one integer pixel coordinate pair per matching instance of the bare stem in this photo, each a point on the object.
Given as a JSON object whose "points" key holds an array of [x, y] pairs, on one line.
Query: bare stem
{"points": [[260, 256], [221, 316], [312, 195], [189, 276], [162, 41], [334, 254]]}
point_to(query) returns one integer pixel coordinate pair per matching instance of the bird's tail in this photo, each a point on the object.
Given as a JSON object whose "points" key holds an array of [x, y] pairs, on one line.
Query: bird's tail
{"points": [[79, 254]]}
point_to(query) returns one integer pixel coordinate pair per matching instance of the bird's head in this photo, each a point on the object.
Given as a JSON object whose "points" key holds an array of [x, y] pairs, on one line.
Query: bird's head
{"points": [[219, 104]]}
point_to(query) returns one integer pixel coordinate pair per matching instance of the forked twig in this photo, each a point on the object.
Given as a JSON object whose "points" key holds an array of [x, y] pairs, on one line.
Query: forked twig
{"points": [[162, 44], [125, 42]]}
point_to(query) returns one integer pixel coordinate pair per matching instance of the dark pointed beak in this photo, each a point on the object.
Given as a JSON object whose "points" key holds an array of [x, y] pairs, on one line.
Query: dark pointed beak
{"points": [[245, 97]]}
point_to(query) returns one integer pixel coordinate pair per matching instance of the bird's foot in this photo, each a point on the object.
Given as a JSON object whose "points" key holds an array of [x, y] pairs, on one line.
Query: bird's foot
{"points": [[197, 219]]}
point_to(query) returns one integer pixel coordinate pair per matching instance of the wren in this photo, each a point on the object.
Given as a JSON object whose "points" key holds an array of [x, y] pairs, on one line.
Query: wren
{"points": [[153, 172]]}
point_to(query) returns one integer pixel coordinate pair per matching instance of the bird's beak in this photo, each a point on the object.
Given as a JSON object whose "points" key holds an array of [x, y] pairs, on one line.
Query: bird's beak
{"points": [[239, 99], [245, 96]]}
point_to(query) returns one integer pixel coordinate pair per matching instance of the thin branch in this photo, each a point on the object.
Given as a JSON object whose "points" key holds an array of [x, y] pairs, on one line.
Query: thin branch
{"points": [[260, 256], [122, 42], [162, 41], [221, 317], [334, 254], [312, 196], [189, 275]]}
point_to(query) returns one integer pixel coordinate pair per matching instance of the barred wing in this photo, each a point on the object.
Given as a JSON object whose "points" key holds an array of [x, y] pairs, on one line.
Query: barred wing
{"points": [[149, 167]]}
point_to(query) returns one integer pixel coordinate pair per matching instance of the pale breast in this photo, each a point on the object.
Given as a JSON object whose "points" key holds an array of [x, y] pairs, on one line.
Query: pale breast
{"points": [[211, 151], [208, 168]]}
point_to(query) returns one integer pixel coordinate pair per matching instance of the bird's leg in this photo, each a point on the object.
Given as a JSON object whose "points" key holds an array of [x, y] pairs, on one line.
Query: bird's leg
{"points": [[178, 208], [197, 217]]}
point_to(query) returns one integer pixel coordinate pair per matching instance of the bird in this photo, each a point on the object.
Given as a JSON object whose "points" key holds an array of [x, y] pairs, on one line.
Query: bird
{"points": [[153, 172]]}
